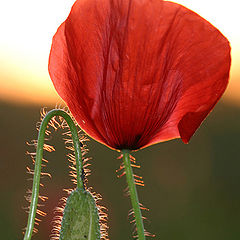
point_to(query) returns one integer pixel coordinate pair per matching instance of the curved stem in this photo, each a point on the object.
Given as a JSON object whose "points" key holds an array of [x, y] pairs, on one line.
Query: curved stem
{"points": [[133, 194], [38, 163]]}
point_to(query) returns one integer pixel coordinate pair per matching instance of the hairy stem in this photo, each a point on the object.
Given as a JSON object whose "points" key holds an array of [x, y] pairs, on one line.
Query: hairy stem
{"points": [[38, 164], [133, 194]]}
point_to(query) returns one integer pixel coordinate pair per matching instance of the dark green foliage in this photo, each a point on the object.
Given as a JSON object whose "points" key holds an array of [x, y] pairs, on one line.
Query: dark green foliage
{"points": [[192, 190]]}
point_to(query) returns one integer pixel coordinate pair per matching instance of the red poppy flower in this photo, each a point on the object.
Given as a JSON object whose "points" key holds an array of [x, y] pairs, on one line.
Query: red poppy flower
{"points": [[137, 72]]}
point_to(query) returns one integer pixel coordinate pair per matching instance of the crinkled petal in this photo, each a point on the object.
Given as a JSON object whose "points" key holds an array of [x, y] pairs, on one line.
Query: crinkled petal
{"points": [[137, 72]]}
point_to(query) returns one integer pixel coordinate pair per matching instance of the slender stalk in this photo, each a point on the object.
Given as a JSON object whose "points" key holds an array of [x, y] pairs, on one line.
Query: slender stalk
{"points": [[38, 164], [133, 194]]}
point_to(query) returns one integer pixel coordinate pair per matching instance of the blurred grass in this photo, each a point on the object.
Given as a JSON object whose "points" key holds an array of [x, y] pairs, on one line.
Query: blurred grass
{"points": [[192, 190]]}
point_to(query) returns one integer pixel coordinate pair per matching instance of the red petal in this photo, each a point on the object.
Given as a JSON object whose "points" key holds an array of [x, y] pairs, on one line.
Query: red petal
{"points": [[134, 73]]}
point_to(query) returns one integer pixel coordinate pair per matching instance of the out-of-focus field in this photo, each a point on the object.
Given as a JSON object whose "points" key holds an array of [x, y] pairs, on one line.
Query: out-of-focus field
{"points": [[192, 190]]}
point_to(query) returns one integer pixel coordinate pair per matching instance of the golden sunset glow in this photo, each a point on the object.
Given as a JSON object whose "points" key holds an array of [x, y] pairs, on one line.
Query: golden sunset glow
{"points": [[27, 28]]}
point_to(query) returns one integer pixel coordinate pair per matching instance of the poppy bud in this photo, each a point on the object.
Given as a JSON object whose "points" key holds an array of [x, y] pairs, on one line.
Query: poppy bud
{"points": [[80, 217]]}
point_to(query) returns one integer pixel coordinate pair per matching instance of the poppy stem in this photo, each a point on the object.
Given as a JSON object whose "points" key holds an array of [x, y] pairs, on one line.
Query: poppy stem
{"points": [[133, 194], [38, 163]]}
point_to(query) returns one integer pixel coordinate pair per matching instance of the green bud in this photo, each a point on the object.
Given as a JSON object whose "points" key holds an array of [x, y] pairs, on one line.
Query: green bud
{"points": [[80, 217]]}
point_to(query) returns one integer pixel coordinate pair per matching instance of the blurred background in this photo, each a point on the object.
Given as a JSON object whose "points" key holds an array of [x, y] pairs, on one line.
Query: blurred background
{"points": [[192, 190]]}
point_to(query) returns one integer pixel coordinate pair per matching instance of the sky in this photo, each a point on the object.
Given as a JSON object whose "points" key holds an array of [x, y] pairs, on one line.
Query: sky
{"points": [[27, 27]]}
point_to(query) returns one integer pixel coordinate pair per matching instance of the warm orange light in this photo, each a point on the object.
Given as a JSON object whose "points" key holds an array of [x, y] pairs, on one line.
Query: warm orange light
{"points": [[25, 86], [27, 28]]}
